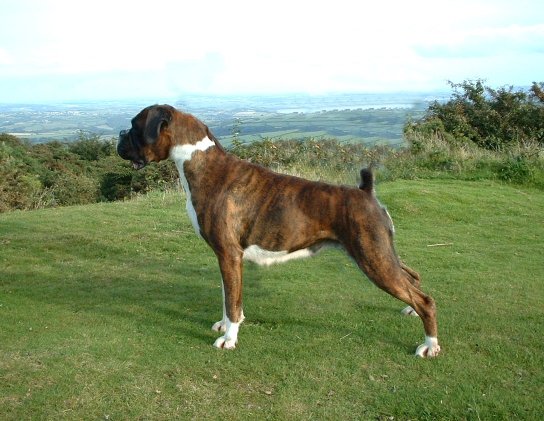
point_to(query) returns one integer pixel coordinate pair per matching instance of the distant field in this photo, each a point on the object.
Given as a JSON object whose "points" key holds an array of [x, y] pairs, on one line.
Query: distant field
{"points": [[105, 313], [355, 117], [367, 126]]}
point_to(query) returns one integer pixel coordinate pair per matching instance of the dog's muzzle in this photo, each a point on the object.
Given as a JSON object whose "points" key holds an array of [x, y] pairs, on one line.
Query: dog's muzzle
{"points": [[127, 149]]}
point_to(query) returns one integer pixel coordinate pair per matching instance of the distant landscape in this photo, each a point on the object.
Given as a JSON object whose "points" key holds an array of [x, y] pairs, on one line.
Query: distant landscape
{"points": [[60, 155], [366, 118]]}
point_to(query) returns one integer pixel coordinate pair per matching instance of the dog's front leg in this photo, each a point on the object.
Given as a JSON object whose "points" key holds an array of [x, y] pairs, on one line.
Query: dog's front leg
{"points": [[231, 271], [221, 325]]}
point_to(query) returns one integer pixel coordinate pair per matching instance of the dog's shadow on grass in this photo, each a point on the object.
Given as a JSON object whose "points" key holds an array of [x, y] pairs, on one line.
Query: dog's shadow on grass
{"points": [[185, 299]]}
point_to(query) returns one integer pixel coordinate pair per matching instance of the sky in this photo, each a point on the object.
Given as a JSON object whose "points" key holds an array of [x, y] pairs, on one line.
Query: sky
{"points": [[57, 50]]}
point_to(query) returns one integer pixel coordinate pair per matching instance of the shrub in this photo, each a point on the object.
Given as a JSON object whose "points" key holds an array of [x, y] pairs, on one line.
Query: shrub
{"points": [[494, 119], [515, 170], [317, 159], [20, 187], [74, 189], [90, 147], [481, 133], [116, 185]]}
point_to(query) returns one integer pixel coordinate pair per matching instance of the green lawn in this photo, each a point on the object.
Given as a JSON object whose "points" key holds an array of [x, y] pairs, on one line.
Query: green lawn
{"points": [[106, 310]]}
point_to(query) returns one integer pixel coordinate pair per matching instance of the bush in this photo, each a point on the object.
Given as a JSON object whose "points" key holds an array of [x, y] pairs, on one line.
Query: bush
{"points": [[116, 185], [515, 170], [322, 159], [436, 156], [481, 133], [74, 189], [84, 171], [494, 119], [20, 188], [90, 147]]}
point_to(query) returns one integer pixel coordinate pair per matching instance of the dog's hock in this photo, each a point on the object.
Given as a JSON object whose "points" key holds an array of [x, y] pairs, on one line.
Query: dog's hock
{"points": [[428, 349], [409, 311], [220, 326]]}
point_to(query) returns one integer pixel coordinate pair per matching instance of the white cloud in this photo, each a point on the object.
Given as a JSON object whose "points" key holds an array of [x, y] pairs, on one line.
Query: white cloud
{"points": [[248, 46], [5, 58], [487, 42]]}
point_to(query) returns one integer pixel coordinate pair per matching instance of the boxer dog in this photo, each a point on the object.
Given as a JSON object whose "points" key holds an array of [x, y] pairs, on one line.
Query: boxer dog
{"points": [[245, 211]]}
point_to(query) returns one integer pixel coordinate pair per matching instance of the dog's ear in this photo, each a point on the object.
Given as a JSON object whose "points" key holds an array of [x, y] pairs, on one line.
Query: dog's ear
{"points": [[158, 118]]}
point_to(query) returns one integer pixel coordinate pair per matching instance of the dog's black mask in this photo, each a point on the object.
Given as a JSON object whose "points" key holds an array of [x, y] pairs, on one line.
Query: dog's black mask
{"points": [[130, 147]]}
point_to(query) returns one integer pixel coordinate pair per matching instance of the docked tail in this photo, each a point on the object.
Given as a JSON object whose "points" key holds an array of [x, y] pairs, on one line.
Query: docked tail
{"points": [[367, 180]]}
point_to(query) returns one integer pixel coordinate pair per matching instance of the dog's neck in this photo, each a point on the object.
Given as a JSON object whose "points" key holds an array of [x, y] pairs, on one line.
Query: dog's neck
{"points": [[191, 155], [182, 153], [194, 161]]}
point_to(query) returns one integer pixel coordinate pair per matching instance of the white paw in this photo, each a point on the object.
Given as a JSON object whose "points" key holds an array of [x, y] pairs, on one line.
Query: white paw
{"points": [[220, 326], [409, 311], [428, 349], [225, 343], [230, 338]]}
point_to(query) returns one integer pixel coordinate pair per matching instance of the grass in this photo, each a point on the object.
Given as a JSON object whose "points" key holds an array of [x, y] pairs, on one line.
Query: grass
{"points": [[105, 313]]}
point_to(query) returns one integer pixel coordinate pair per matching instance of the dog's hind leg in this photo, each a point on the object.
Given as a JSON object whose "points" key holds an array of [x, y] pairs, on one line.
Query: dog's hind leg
{"points": [[400, 286], [413, 276], [399, 281], [424, 306], [415, 280], [230, 265]]}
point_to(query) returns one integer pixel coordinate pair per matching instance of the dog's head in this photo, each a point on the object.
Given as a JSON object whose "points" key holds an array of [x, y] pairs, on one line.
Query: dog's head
{"points": [[155, 130]]}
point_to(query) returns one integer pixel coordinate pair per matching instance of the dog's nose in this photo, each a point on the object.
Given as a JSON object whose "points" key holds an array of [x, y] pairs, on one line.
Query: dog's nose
{"points": [[123, 133]]}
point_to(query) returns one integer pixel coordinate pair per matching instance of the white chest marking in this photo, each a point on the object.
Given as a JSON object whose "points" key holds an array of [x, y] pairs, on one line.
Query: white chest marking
{"points": [[180, 154]]}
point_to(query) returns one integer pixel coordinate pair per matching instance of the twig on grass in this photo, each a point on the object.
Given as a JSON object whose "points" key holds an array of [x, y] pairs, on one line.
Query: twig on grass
{"points": [[345, 336]]}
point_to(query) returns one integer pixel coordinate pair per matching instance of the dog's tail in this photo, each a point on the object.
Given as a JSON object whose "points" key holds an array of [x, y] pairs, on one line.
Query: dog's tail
{"points": [[367, 180]]}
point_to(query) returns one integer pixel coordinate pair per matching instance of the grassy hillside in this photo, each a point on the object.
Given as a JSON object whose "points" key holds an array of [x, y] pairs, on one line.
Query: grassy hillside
{"points": [[106, 309]]}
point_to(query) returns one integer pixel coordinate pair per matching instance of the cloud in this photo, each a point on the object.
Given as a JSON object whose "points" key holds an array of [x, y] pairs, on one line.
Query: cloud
{"points": [[5, 58], [134, 48], [487, 42], [194, 75]]}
